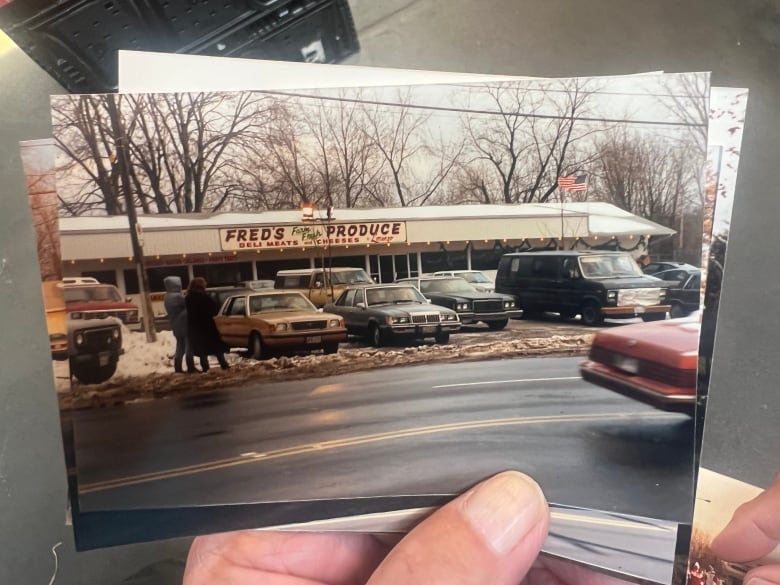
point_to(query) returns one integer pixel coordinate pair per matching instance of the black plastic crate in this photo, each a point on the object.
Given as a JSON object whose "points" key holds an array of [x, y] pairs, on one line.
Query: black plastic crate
{"points": [[76, 41]]}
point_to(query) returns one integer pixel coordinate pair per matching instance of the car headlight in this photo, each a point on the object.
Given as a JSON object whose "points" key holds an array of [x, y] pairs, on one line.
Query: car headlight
{"points": [[662, 294], [509, 304], [462, 307], [334, 323], [79, 339], [280, 327], [76, 315], [397, 320], [448, 317], [115, 334], [132, 316], [612, 296]]}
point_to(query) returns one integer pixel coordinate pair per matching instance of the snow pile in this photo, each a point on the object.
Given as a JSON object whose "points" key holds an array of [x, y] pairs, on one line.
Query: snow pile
{"points": [[146, 371], [142, 358]]}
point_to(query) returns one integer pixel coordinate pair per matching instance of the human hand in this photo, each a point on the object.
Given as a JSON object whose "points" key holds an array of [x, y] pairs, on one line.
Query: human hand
{"points": [[490, 535], [752, 534]]}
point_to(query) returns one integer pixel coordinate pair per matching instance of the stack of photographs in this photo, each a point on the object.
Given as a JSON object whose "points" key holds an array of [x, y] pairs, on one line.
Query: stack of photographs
{"points": [[408, 288]]}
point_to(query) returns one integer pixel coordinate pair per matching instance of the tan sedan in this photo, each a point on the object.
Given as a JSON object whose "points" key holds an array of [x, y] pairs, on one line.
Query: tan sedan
{"points": [[272, 321]]}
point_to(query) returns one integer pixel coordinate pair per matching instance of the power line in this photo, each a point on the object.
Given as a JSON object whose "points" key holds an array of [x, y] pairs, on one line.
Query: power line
{"points": [[484, 112]]}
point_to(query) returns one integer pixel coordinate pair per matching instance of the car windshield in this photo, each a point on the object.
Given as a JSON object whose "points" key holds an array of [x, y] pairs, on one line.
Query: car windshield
{"points": [[474, 277], [350, 277], [445, 285], [92, 294], [609, 266], [399, 294], [279, 302]]}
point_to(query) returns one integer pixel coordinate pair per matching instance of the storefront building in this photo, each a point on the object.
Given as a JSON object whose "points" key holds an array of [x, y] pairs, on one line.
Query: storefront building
{"points": [[389, 243]]}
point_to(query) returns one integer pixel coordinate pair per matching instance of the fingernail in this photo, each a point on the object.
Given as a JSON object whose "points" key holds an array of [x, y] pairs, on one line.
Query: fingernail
{"points": [[503, 509]]}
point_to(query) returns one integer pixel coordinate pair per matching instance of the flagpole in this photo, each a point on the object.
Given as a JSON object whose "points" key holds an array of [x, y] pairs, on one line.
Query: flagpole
{"points": [[563, 231]]}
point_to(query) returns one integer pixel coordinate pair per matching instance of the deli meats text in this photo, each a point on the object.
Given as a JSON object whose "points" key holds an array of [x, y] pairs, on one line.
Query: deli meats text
{"points": [[281, 236]]}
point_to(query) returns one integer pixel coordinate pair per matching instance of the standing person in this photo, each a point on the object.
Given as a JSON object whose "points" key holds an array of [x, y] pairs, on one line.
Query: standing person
{"points": [[176, 309], [202, 331]]}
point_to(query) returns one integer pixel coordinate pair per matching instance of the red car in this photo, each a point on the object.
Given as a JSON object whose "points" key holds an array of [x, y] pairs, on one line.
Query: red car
{"points": [[654, 363], [87, 300]]}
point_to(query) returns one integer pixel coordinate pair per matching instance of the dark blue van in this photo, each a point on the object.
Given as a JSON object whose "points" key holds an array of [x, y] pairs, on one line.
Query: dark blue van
{"points": [[592, 284]]}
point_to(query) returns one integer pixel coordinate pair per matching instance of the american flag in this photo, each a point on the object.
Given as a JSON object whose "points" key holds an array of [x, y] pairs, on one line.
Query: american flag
{"points": [[573, 183]]}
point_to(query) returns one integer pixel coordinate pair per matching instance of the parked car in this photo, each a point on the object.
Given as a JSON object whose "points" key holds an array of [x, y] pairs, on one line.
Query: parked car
{"points": [[472, 306], [271, 321], [91, 346], [219, 294], [94, 347], [475, 278], [655, 267], [320, 285], [385, 312], [655, 363], [592, 284], [684, 290], [87, 300], [256, 284]]}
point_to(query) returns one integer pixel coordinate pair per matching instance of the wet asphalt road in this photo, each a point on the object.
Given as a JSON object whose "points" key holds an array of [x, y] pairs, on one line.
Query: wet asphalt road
{"points": [[429, 429]]}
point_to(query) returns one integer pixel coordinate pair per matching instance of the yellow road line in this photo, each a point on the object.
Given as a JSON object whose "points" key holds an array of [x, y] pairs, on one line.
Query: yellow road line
{"points": [[351, 442]]}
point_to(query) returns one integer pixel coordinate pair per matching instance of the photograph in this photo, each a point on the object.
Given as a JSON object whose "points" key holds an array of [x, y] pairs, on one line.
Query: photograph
{"points": [[389, 291]]}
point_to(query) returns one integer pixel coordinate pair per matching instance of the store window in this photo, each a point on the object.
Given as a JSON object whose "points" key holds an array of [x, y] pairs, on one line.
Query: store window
{"points": [[266, 270], [157, 274], [104, 276], [225, 274], [444, 260]]}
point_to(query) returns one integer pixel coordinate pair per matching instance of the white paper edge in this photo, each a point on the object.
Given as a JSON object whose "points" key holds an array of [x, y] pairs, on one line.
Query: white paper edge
{"points": [[149, 72]]}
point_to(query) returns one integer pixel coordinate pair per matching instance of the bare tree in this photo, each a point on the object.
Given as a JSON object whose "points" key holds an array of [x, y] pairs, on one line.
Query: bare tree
{"points": [[651, 178], [82, 133], [528, 142], [416, 161]]}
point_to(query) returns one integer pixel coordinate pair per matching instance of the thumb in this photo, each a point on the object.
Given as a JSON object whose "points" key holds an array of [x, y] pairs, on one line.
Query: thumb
{"points": [[489, 535]]}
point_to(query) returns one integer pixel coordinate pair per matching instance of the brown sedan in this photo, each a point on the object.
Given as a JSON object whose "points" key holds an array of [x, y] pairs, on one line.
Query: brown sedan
{"points": [[272, 321]]}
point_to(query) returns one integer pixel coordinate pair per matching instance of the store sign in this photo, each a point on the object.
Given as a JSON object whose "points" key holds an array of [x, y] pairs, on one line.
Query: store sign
{"points": [[313, 235]]}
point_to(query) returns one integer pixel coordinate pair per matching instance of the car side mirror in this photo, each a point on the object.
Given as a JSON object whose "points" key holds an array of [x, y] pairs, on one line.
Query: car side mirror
{"points": [[317, 284], [427, 300], [360, 305], [320, 310], [128, 300]]}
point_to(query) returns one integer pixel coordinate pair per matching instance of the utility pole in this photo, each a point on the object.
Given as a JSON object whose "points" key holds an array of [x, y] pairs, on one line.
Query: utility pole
{"points": [[122, 161]]}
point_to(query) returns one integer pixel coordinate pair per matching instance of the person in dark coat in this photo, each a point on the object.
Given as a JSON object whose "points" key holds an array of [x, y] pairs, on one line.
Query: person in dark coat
{"points": [[202, 332], [176, 309]]}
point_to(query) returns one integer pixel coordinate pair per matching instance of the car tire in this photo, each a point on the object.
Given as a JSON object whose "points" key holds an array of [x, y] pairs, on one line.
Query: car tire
{"points": [[375, 335], [256, 348], [591, 314], [93, 374], [653, 317], [442, 337], [330, 348], [677, 311], [498, 325]]}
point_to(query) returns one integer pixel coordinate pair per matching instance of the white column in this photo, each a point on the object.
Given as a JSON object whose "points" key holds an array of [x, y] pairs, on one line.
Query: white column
{"points": [[190, 271], [419, 264], [254, 269], [468, 256], [120, 281]]}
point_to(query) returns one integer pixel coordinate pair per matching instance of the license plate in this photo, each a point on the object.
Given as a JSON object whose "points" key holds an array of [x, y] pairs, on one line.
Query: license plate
{"points": [[314, 339], [104, 358], [627, 364], [428, 329]]}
